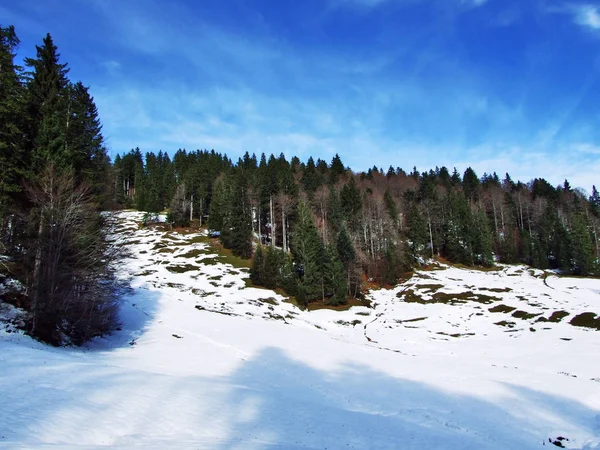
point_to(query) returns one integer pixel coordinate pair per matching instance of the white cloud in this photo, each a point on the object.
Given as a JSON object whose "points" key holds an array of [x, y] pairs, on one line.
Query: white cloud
{"points": [[587, 16]]}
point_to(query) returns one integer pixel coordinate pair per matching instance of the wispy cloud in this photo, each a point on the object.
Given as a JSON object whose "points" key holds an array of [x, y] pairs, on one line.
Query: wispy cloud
{"points": [[587, 16]]}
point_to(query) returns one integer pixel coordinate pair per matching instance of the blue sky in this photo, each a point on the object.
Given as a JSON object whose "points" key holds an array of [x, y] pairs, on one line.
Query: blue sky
{"points": [[498, 85]]}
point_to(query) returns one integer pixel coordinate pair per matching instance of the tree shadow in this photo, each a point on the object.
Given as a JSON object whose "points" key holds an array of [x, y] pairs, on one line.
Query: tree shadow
{"points": [[136, 312], [286, 404], [271, 401]]}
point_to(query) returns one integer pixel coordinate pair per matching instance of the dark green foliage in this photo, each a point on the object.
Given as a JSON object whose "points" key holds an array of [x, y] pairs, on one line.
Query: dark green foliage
{"points": [[470, 184], [55, 175], [417, 231], [336, 170], [273, 261], [334, 278], [12, 120], [308, 251], [395, 263], [258, 267], [581, 246]]}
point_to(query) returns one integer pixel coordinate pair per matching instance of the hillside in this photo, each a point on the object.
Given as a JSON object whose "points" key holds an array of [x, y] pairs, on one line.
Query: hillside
{"points": [[450, 359]]}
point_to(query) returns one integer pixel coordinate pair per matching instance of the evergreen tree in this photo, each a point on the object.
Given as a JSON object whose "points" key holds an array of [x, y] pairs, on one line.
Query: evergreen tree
{"points": [[48, 100], [12, 157], [239, 229], [581, 244], [218, 206], [351, 203], [417, 231], [258, 267], [335, 285], [307, 250]]}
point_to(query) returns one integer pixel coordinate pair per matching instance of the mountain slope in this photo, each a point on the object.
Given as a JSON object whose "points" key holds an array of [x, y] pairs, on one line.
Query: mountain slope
{"points": [[202, 361]]}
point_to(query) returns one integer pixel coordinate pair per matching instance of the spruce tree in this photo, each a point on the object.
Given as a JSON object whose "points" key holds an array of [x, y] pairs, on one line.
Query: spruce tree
{"points": [[258, 267], [581, 244], [47, 105], [12, 120], [307, 250], [335, 285]]}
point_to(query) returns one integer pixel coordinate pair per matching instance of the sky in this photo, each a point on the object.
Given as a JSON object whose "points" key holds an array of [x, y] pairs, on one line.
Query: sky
{"points": [[496, 85]]}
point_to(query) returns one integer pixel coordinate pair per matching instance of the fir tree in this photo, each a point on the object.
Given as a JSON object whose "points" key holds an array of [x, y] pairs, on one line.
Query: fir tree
{"points": [[12, 120], [48, 100], [307, 251], [258, 267], [335, 285]]}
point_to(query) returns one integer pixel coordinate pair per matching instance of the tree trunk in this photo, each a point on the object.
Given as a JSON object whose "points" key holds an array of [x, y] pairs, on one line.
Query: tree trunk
{"points": [[272, 220], [191, 208], [283, 231], [37, 268]]}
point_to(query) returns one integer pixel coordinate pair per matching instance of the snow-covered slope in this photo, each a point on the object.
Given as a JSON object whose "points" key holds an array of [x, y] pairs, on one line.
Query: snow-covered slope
{"points": [[451, 359]]}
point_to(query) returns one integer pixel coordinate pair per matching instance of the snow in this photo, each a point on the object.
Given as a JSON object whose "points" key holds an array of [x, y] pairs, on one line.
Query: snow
{"points": [[202, 361]]}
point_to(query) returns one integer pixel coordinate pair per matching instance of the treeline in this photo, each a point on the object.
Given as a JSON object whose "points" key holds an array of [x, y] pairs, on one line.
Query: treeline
{"points": [[53, 176], [320, 230]]}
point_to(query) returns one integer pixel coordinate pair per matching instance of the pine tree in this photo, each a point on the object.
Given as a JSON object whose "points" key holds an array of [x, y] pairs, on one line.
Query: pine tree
{"points": [[482, 239], [12, 151], [258, 267], [48, 100], [417, 231], [272, 264], [307, 251], [334, 278], [239, 226], [581, 244]]}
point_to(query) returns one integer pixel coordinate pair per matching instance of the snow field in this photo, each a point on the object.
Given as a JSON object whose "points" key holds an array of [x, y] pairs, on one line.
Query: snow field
{"points": [[202, 361]]}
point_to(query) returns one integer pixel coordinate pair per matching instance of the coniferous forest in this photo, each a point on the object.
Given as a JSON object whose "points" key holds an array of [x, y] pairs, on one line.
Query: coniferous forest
{"points": [[314, 229]]}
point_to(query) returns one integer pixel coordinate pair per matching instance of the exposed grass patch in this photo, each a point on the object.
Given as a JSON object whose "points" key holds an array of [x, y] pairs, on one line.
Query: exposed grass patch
{"points": [[273, 316], [418, 319], [520, 314], [363, 313], [270, 301], [181, 268], [497, 290], [192, 254], [410, 296], [353, 323], [145, 273], [166, 250], [202, 293], [502, 309], [556, 317], [505, 323], [429, 288], [314, 306], [586, 320], [216, 277], [456, 335]]}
